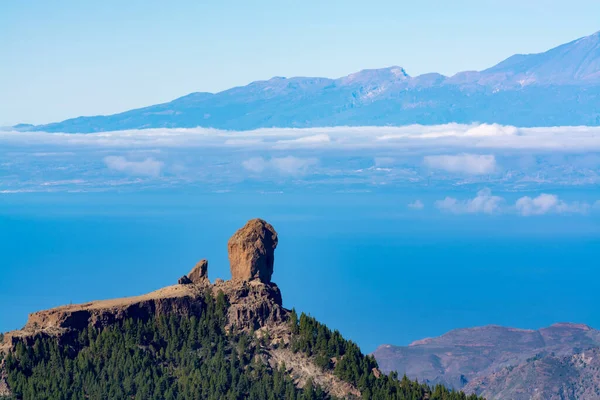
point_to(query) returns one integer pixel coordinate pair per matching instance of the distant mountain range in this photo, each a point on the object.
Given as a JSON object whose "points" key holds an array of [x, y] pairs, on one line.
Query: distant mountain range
{"points": [[558, 87], [555, 363]]}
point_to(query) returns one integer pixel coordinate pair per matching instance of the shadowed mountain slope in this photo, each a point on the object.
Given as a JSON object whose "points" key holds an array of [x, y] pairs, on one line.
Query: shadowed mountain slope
{"points": [[498, 362]]}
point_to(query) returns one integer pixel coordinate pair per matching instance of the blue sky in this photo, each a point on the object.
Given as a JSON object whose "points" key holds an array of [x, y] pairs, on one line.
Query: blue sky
{"points": [[70, 58]]}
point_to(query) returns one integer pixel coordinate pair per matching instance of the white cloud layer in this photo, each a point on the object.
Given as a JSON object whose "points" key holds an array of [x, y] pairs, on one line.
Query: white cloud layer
{"points": [[484, 136], [289, 165], [470, 164], [147, 167], [503, 158], [484, 202]]}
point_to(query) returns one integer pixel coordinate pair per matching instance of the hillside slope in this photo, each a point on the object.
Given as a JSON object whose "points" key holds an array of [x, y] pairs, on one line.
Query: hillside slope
{"points": [[197, 340], [550, 377], [504, 363]]}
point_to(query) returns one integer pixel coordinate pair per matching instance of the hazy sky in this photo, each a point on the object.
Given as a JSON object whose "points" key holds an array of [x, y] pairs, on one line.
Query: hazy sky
{"points": [[63, 59]]}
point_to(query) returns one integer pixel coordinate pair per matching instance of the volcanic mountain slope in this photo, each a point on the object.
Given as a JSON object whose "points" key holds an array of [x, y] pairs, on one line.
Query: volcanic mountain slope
{"points": [[197, 340], [558, 362], [557, 87], [550, 377]]}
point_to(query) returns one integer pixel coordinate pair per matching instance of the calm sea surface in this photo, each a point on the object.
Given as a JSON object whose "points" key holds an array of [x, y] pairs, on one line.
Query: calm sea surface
{"points": [[362, 263]]}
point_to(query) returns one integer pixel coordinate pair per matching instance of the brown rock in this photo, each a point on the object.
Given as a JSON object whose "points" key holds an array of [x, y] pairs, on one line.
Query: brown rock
{"points": [[199, 274], [251, 251], [184, 280]]}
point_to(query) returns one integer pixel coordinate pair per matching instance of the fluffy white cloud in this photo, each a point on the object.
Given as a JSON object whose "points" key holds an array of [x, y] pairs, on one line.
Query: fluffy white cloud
{"points": [[484, 202], [255, 164], [548, 203], [293, 165], [289, 165], [490, 130], [471, 164], [416, 205], [147, 167]]}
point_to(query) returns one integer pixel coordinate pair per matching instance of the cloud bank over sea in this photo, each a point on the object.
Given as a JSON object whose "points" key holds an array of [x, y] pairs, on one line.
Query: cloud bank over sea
{"points": [[484, 136], [469, 163]]}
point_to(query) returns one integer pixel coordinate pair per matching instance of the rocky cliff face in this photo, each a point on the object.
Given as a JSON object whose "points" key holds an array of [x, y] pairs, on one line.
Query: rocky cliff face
{"points": [[500, 362]]}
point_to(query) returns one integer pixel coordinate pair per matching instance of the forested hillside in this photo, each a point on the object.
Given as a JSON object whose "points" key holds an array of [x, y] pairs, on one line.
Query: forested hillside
{"points": [[197, 340], [196, 358]]}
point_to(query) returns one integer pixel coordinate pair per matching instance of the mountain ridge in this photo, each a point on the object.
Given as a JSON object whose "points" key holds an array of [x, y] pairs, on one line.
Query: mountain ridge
{"points": [[558, 87], [197, 340], [485, 360]]}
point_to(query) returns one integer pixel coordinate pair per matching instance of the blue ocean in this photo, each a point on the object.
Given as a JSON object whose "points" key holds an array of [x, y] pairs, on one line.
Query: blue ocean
{"points": [[360, 262]]}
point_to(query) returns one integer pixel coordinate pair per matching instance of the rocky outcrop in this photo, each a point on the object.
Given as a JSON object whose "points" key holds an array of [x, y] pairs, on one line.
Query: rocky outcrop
{"points": [[254, 301], [254, 306], [251, 305], [182, 300], [4, 390], [301, 368], [199, 274], [251, 251]]}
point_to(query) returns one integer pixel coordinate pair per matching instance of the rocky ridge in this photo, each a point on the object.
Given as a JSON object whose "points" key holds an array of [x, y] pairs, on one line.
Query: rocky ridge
{"points": [[550, 377], [557, 362], [525, 90], [255, 306]]}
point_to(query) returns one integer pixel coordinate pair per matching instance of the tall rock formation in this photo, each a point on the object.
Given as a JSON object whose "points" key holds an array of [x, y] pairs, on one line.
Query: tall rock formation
{"points": [[251, 251]]}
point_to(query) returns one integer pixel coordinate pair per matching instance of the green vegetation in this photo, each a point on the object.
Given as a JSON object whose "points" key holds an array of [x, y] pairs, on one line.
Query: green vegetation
{"points": [[170, 357], [163, 358], [332, 352]]}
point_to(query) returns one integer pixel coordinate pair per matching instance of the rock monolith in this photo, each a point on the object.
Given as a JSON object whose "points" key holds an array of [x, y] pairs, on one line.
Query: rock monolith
{"points": [[251, 251]]}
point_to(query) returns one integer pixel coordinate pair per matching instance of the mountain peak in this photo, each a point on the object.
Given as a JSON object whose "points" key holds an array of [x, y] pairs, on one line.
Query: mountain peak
{"points": [[570, 325], [366, 76], [572, 63], [524, 90]]}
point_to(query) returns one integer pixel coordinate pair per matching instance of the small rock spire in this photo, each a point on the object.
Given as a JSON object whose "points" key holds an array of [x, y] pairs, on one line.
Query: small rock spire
{"points": [[198, 275]]}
